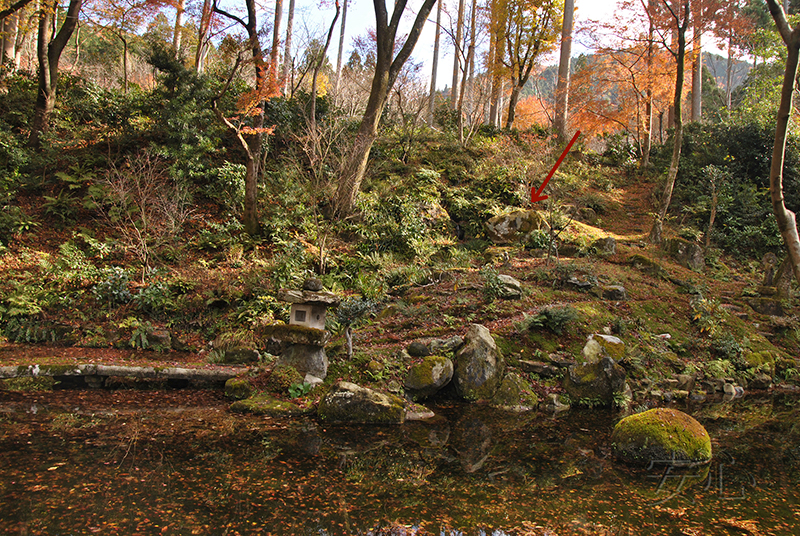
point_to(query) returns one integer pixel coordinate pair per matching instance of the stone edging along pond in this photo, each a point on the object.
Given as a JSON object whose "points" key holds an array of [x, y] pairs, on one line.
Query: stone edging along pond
{"points": [[96, 374]]}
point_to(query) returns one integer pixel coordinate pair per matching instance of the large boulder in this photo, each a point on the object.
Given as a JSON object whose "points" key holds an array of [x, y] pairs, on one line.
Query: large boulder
{"points": [[661, 435], [510, 288], [515, 394], [595, 383], [479, 365], [514, 226], [688, 254], [426, 378], [348, 402], [605, 246]]}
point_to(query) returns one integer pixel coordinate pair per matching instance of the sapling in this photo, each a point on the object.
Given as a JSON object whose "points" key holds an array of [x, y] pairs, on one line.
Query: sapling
{"points": [[351, 311]]}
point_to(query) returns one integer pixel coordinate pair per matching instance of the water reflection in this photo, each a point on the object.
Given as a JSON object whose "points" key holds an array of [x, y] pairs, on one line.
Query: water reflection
{"points": [[75, 467]]}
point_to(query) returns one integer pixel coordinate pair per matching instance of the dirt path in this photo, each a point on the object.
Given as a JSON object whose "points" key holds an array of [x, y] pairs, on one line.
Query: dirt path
{"points": [[629, 213]]}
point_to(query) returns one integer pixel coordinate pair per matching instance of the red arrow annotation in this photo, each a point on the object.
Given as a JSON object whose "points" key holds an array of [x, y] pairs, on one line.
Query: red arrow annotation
{"points": [[537, 195]]}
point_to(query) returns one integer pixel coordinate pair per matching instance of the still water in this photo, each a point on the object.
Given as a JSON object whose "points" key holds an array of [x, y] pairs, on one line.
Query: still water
{"points": [[177, 462]]}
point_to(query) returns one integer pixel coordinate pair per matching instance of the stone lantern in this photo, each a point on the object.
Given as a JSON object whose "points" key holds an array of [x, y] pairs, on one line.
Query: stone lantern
{"points": [[305, 335]]}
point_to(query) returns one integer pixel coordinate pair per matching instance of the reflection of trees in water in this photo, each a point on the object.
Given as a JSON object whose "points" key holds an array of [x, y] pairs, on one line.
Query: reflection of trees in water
{"points": [[474, 467]]}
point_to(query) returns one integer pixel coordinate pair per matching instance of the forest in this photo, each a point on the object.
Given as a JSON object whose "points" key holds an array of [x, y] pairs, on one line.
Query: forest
{"points": [[168, 169]]}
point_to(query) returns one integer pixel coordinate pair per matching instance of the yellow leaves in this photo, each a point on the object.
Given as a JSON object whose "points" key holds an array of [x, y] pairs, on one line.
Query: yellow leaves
{"points": [[746, 526]]}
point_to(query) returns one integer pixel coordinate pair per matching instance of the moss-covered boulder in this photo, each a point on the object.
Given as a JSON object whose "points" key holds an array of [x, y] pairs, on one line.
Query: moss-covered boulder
{"points": [[348, 402], [238, 388], [281, 378], [266, 404], [688, 254], [515, 394], [599, 345], [427, 377], [479, 365], [514, 226], [648, 266], [595, 383], [661, 435]]}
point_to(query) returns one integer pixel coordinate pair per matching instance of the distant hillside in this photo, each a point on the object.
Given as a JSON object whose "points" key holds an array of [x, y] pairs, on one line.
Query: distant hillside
{"points": [[718, 66], [544, 84]]}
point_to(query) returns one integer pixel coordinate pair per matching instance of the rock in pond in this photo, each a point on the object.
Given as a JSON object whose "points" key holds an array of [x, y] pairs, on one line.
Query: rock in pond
{"points": [[265, 404], [427, 377], [595, 383], [238, 388], [663, 436], [515, 394], [348, 402], [479, 365]]}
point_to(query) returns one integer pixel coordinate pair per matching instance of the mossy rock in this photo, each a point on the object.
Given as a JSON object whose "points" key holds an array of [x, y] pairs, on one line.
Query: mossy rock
{"points": [[761, 360], [282, 377], [595, 383], [265, 404], [598, 345], [295, 334], [479, 365], [426, 378], [648, 266], [349, 403], [664, 436], [515, 394], [238, 388]]}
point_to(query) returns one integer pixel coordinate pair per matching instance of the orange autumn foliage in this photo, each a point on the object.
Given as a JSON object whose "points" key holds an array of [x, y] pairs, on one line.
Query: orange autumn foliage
{"points": [[608, 91]]}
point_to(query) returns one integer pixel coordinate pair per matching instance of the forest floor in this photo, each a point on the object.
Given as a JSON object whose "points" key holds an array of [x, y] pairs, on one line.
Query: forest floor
{"points": [[656, 311]]}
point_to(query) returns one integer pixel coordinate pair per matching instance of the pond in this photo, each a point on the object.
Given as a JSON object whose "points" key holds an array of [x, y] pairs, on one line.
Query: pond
{"points": [[177, 462]]}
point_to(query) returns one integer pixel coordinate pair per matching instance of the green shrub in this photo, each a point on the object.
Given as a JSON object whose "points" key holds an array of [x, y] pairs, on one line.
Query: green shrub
{"points": [[555, 319], [155, 299], [113, 287], [492, 285]]}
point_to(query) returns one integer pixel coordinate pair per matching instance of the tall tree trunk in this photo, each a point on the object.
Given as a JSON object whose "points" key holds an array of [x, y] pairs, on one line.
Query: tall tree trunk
{"points": [[312, 119], [562, 86], [176, 36], [387, 68], [287, 50], [496, 53], [340, 53], [729, 73], [787, 223], [697, 63], [512, 104], [252, 140], [457, 54], [656, 232], [648, 104], [274, 53], [10, 29], [435, 68], [202, 37], [465, 73], [124, 64], [48, 52]]}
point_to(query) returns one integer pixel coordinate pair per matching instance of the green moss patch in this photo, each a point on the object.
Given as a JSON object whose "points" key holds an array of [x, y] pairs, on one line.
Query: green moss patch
{"points": [[264, 404], [661, 435]]}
